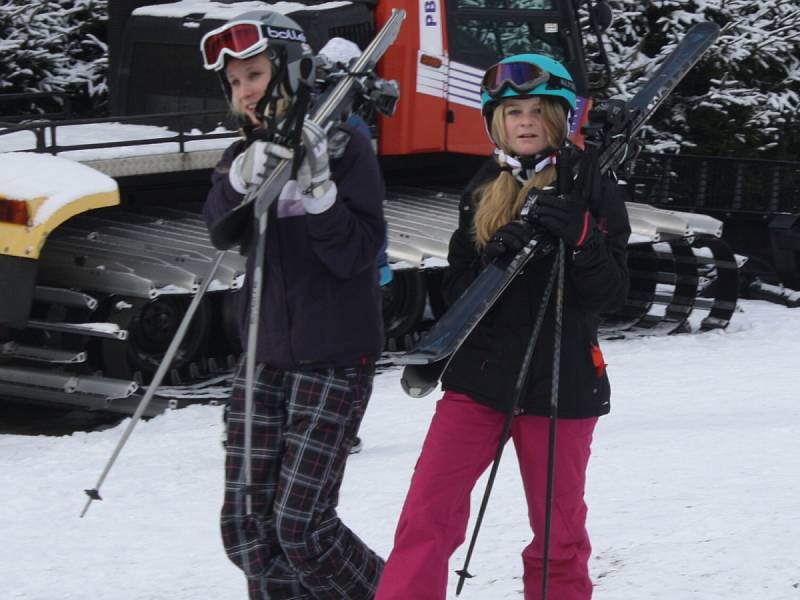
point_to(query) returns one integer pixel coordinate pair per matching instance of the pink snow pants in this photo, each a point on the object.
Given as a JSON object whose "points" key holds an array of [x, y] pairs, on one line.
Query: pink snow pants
{"points": [[460, 445]]}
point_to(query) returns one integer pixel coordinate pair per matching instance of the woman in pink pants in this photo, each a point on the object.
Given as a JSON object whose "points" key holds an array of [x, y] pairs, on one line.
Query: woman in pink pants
{"points": [[527, 102]]}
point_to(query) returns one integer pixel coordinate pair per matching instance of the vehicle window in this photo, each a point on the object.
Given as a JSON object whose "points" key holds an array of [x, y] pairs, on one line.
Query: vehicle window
{"points": [[507, 4], [482, 42]]}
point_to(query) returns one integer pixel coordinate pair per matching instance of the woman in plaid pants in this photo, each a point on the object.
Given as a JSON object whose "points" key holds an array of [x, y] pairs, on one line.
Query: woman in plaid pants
{"points": [[319, 328]]}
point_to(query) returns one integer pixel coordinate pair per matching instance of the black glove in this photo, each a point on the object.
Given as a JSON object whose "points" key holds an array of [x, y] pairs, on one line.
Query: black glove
{"points": [[565, 216], [581, 168], [508, 240], [589, 182]]}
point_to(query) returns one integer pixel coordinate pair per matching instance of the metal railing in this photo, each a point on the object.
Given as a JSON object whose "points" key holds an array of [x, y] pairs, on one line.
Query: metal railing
{"points": [[683, 182], [712, 183], [46, 132]]}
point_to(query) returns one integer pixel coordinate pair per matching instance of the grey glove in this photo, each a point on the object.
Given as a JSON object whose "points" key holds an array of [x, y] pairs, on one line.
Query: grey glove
{"points": [[314, 174], [253, 165]]}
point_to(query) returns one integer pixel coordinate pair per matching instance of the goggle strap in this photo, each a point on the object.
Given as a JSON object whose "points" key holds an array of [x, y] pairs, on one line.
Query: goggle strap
{"points": [[561, 83], [553, 82]]}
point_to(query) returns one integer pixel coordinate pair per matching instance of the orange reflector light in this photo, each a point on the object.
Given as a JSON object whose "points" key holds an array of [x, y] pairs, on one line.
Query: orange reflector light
{"points": [[430, 61], [14, 211]]}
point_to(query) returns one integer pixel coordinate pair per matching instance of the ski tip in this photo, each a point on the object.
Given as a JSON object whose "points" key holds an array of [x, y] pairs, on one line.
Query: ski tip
{"points": [[414, 385], [707, 27], [415, 391], [420, 380], [705, 32]]}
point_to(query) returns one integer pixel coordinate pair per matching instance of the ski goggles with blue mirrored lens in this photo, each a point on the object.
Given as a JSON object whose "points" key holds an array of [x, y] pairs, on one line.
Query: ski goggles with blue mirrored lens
{"points": [[522, 77], [241, 39]]}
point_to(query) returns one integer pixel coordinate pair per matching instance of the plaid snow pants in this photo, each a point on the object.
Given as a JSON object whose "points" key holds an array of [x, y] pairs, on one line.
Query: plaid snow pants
{"points": [[293, 546]]}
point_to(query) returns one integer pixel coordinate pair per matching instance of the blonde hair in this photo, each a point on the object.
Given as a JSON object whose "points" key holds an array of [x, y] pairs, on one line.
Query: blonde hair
{"points": [[500, 201]]}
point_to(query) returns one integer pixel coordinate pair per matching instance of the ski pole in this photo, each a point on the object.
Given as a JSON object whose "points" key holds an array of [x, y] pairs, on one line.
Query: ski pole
{"points": [[566, 184], [252, 345], [94, 493], [551, 451], [519, 388], [294, 119]]}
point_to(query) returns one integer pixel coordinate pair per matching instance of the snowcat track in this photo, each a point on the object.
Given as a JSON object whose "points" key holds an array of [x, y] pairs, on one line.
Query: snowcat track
{"points": [[679, 267], [113, 284], [112, 287]]}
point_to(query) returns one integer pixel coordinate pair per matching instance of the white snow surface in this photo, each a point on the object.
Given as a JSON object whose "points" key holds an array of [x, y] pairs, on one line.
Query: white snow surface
{"points": [[692, 491], [27, 175]]}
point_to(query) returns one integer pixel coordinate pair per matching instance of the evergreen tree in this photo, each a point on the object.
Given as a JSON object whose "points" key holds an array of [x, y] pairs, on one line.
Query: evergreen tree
{"points": [[742, 99], [54, 46]]}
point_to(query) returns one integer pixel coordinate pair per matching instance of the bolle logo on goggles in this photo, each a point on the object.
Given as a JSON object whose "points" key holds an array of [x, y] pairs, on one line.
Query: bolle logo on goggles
{"points": [[282, 33]]}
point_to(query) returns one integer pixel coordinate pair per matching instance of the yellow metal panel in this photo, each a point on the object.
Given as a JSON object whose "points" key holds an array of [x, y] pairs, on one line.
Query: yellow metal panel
{"points": [[27, 242]]}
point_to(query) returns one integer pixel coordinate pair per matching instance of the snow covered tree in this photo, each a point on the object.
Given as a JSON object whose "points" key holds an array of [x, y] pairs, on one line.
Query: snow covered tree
{"points": [[742, 99], [54, 46]]}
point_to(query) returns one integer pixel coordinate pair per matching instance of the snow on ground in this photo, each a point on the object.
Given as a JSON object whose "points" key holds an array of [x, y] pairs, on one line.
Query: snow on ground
{"points": [[693, 486]]}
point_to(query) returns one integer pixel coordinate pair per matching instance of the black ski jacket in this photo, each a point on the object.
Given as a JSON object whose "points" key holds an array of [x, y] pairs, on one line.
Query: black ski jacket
{"points": [[596, 281], [321, 302]]}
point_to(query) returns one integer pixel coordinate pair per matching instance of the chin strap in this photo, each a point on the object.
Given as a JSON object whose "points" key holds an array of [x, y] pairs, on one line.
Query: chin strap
{"points": [[525, 167], [267, 106]]}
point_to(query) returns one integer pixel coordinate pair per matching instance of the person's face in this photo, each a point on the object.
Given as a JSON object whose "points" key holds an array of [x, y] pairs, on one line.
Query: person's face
{"points": [[524, 125], [248, 79]]}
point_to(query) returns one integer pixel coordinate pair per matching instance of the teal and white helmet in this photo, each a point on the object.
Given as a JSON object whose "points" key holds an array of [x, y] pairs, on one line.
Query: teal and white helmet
{"points": [[523, 76]]}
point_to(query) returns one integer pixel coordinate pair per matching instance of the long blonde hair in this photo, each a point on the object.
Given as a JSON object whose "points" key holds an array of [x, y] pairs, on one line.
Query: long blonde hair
{"points": [[492, 199]]}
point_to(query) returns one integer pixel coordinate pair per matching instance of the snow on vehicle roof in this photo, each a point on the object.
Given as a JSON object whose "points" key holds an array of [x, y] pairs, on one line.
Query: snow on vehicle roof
{"points": [[218, 10], [27, 175]]}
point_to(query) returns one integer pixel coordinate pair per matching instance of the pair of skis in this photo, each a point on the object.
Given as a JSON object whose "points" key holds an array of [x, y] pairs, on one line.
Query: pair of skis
{"points": [[614, 137]]}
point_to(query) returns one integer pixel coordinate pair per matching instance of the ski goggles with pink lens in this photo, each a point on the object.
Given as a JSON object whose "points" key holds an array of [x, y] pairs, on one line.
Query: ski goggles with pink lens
{"points": [[241, 39], [522, 77]]}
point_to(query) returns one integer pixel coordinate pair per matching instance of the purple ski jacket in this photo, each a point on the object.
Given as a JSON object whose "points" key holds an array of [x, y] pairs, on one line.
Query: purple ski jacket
{"points": [[321, 302]]}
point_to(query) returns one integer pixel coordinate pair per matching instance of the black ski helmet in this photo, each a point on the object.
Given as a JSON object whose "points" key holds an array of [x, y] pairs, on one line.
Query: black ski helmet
{"points": [[254, 32]]}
